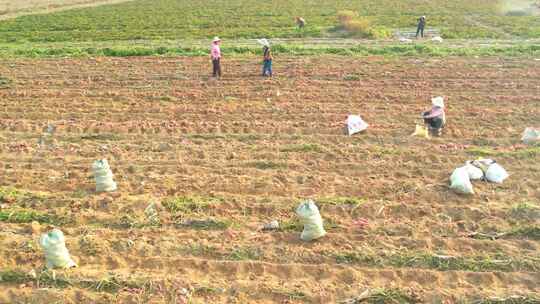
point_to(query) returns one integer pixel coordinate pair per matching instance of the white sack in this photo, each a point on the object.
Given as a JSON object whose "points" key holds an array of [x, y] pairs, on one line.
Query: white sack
{"points": [[103, 176], [355, 124], [496, 174], [56, 253], [531, 136], [473, 171], [460, 181], [311, 218]]}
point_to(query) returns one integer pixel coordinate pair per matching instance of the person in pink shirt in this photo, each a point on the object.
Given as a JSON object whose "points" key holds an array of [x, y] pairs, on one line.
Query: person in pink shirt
{"points": [[435, 119], [215, 55]]}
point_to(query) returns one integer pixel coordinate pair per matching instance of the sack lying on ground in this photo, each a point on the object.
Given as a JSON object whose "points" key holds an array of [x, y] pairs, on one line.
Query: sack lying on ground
{"points": [[421, 131], [437, 39], [460, 181], [493, 172], [474, 172], [483, 163], [355, 124], [531, 136], [56, 253], [496, 174], [311, 219], [103, 176]]}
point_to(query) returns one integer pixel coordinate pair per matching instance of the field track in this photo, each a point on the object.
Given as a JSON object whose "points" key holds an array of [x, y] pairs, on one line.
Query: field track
{"points": [[244, 151]]}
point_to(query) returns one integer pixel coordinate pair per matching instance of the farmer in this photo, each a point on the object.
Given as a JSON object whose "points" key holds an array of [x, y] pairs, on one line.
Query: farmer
{"points": [[435, 118], [300, 22], [215, 55], [421, 26], [267, 57]]}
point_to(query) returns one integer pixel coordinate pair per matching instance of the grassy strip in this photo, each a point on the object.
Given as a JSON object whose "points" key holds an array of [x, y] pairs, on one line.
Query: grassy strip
{"points": [[386, 295], [442, 263], [405, 260], [47, 278], [525, 232], [302, 148], [395, 295], [16, 196], [28, 216], [529, 152], [508, 300], [189, 204], [385, 50], [172, 19]]}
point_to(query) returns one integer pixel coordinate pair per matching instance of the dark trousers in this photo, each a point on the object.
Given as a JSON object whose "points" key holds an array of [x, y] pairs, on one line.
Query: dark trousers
{"points": [[434, 123], [267, 67], [216, 67], [420, 31]]}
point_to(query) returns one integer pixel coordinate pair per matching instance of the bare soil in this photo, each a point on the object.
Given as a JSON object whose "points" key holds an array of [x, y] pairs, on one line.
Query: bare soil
{"points": [[257, 147]]}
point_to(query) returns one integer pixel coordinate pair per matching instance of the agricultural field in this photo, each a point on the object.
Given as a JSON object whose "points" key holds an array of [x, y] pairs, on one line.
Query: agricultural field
{"points": [[221, 158], [11, 9], [173, 19]]}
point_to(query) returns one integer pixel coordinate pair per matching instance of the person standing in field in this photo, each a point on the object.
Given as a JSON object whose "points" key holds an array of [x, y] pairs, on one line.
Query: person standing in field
{"points": [[421, 26], [267, 57], [300, 22], [215, 55]]}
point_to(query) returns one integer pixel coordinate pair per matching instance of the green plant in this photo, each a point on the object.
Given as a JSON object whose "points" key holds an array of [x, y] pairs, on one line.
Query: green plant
{"points": [[209, 224], [27, 216], [354, 201], [240, 254], [188, 204], [525, 210], [302, 148]]}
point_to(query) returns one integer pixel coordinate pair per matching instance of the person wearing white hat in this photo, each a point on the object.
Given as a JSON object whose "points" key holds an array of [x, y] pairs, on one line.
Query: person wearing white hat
{"points": [[421, 26], [215, 55], [435, 118], [267, 57]]}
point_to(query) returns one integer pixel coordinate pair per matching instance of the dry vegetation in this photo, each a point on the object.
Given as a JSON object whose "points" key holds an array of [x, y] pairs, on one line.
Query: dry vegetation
{"points": [[221, 158]]}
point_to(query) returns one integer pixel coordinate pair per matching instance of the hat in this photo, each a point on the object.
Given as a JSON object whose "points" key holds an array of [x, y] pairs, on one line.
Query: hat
{"points": [[216, 39], [438, 102], [264, 42]]}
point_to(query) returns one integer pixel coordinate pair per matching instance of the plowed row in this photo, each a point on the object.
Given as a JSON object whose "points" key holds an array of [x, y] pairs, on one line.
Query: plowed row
{"points": [[252, 148]]}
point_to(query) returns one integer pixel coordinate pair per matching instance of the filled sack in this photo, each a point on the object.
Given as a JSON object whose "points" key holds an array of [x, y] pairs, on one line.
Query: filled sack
{"points": [[493, 172], [474, 172], [460, 181], [311, 219], [531, 136], [103, 176], [496, 173], [355, 124], [56, 253], [421, 131]]}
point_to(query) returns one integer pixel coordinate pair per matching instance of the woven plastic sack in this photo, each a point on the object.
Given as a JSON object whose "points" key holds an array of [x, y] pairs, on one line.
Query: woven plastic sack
{"points": [[460, 181], [531, 136], [56, 253], [421, 131], [311, 219], [475, 173], [496, 173], [355, 124], [437, 39], [103, 176], [483, 163]]}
